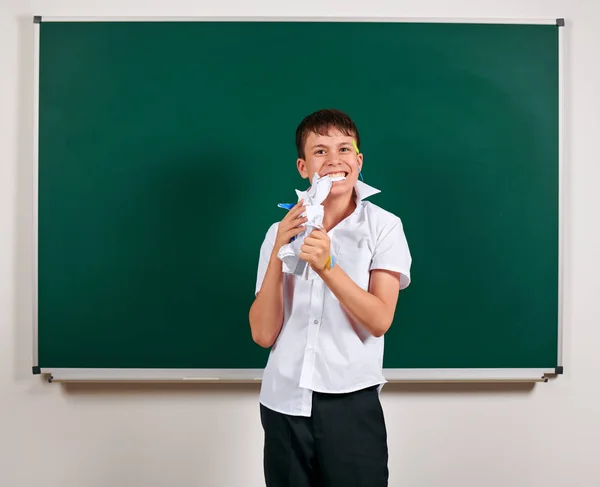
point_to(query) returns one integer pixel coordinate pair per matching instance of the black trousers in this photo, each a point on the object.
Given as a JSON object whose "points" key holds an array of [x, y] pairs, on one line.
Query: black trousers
{"points": [[342, 444]]}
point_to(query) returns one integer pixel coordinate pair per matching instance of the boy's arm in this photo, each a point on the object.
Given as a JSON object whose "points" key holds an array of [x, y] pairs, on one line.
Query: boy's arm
{"points": [[266, 313], [373, 309]]}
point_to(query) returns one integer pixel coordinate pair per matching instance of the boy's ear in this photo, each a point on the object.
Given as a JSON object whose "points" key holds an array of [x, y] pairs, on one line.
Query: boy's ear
{"points": [[359, 161], [301, 164]]}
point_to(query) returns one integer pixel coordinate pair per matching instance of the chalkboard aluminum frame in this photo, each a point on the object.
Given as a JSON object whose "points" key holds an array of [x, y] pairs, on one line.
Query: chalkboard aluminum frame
{"points": [[245, 375]]}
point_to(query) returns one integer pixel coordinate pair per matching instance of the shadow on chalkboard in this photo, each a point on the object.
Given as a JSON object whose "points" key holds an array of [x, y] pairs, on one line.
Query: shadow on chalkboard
{"points": [[466, 388], [229, 389], [158, 389]]}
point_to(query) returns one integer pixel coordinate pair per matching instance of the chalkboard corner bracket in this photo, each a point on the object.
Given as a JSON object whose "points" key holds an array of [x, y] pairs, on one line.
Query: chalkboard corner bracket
{"points": [[558, 370]]}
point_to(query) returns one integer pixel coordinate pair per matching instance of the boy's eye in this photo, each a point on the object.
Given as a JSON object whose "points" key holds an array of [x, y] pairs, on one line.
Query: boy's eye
{"points": [[320, 151], [345, 148]]}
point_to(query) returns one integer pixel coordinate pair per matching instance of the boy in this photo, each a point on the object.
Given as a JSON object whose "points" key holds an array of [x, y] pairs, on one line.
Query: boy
{"points": [[319, 399]]}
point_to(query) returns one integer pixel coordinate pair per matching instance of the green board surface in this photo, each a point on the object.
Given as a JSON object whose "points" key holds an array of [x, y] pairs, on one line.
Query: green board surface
{"points": [[164, 148]]}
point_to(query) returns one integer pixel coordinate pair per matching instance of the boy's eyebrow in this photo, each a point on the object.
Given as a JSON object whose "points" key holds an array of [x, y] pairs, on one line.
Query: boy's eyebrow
{"points": [[325, 146]]}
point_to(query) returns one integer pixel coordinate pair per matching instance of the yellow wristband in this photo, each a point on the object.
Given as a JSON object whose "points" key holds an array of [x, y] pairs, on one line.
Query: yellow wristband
{"points": [[330, 262]]}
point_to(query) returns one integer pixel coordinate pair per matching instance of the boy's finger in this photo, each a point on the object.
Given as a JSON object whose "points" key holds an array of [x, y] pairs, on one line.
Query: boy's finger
{"points": [[310, 242], [295, 221], [293, 224], [294, 231], [294, 212], [313, 242], [298, 211], [319, 234]]}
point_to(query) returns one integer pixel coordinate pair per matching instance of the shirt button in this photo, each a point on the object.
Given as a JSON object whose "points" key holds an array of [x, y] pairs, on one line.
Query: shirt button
{"points": [[316, 322]]}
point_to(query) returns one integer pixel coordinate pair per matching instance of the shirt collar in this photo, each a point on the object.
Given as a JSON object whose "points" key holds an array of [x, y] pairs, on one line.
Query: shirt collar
{"points": [[363, 190]]}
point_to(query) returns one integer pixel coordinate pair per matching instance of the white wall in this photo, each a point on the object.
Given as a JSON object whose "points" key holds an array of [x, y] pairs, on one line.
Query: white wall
{"points": [[469, 436]]}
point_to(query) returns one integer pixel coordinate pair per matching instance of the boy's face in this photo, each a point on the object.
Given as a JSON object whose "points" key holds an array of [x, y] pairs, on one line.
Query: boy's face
{"points": [[331, 154]]}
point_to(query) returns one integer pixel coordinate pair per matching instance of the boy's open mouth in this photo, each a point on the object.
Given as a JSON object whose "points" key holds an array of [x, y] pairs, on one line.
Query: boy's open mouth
{"points": [[338, 176]]}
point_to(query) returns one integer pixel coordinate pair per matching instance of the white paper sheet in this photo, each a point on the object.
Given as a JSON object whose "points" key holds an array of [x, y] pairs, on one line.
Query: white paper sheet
{"points": [[314, 211]]}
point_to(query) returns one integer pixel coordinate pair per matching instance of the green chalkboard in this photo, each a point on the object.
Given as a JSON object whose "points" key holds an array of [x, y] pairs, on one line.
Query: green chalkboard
{"points": [[164, 148]]}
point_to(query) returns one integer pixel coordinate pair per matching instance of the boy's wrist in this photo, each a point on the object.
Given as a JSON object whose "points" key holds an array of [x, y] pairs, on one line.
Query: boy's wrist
{"points": [[328, 267], [273, 259]]}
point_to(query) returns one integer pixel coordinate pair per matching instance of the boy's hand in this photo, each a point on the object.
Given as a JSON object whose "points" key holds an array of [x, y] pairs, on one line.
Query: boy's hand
{"points": [[316, 250], [290, 226]]}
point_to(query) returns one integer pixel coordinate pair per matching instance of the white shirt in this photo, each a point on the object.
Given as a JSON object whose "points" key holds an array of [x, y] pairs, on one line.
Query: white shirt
{"points": [[318, 349]]}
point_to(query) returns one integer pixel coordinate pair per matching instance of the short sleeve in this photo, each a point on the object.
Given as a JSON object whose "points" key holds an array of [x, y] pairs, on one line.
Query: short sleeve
{"points": [[392, 253], [265, 254]]}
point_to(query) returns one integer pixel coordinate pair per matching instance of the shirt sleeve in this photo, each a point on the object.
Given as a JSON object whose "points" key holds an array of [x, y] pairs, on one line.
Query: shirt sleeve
{"points": [[392, 253], [265, 254]]}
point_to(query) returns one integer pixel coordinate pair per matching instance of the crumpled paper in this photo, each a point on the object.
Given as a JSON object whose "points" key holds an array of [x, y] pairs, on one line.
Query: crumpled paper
{"points": [[289, 254]]}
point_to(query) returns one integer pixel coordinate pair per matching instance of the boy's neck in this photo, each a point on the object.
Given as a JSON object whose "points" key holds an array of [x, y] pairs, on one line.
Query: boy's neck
{"points": [[337, 209]]}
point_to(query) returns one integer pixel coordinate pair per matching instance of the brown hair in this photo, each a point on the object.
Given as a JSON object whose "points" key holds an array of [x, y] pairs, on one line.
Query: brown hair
{"points": [[320, 122]]}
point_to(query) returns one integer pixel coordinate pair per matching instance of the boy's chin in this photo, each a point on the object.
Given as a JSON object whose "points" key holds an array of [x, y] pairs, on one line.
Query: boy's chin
{"points": [[341, 188]]}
